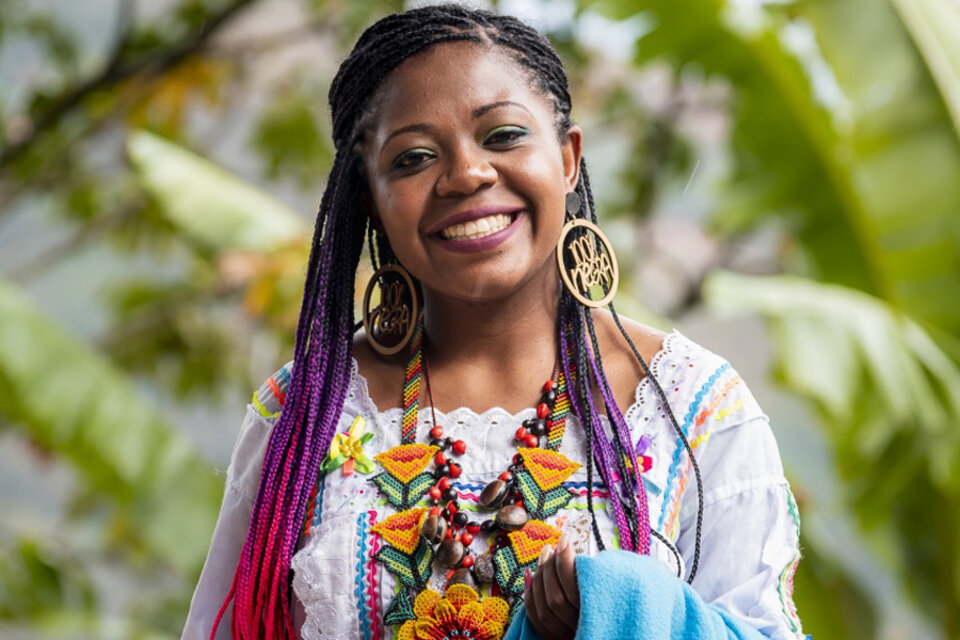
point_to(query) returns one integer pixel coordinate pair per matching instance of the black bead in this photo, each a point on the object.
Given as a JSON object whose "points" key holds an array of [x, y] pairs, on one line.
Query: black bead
{"points": [[539, 429], [528, 424], [460, 519], [549, 397], [473, 523], [436, 442], [439, 472], [517, 459], [447, 442], [445, 514], [450, 494], [487, 526]]}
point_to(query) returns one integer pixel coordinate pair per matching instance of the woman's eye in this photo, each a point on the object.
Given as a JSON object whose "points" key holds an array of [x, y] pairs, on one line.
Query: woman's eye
{"points": [[505, 134], [412, 158]]}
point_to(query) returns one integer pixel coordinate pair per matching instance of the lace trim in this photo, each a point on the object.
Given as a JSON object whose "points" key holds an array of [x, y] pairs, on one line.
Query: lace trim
{"points": [[360, 390]]}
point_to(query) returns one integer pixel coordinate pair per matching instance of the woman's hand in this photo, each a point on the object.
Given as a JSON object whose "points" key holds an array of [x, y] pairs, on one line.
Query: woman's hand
{"points": [[552, 598]]}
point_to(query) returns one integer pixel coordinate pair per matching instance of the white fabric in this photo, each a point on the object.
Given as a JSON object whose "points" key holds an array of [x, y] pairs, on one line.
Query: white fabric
{"points": [[749, 542]]}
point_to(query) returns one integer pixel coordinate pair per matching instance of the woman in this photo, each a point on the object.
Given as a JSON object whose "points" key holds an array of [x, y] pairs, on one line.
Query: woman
{"points": [[469, 503]]}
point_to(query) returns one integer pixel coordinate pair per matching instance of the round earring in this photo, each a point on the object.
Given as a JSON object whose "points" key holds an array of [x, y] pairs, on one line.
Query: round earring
{"points": [[588, 266], [391, 323]]}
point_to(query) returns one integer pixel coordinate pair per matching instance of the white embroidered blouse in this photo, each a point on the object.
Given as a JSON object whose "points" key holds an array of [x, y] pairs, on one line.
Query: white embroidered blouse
{"points": [[749, 547]]}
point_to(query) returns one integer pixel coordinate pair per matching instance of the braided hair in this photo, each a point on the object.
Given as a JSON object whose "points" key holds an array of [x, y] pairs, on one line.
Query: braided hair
{"points": [[261, 588]]}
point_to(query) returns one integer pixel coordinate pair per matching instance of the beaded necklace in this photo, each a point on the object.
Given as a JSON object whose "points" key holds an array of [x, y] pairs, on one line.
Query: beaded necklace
{"points": [[419, 538]]}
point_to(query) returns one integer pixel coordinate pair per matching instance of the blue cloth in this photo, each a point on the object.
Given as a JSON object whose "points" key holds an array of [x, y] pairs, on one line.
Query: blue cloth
{"points": [[632, 597]]}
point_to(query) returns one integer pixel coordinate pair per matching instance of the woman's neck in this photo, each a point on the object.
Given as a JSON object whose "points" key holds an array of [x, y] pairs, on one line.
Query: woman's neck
{"points": [[518, 331]]}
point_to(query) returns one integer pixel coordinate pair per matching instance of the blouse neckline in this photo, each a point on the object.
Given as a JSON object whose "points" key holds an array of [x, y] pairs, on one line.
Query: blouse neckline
{"points": [[499, 413]]}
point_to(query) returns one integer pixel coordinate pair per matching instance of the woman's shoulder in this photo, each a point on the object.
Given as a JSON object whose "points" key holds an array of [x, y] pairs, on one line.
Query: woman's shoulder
{"points": [[695, 380]]}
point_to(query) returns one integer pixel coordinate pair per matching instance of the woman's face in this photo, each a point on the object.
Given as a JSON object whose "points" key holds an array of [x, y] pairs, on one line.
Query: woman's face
{"points": [[466, 172]]}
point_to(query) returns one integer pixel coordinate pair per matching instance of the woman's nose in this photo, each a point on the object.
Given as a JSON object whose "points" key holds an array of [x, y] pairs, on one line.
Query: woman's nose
{"points": [[468, 171]]}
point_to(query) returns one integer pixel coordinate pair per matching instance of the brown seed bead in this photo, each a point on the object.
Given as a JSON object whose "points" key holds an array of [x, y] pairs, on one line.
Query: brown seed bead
{"points": [[512, 517], [483, 569], [433, 529], [462, 576], [493, 494], [450, 553]]}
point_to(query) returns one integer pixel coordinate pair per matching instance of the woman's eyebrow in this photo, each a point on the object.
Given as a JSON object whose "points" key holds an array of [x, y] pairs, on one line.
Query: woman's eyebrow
{"points": [[479, 111]]}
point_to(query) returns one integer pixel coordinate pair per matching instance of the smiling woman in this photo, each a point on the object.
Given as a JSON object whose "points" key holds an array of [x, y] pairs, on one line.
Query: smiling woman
{"points": [[533, 430]]}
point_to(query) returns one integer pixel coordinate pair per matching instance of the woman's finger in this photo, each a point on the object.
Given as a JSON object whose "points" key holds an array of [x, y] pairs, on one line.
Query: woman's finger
{"points": [[554, 626], [566, 570], [555, 595]]}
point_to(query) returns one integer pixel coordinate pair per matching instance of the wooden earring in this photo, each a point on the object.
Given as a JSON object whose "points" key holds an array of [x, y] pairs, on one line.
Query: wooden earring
{"points": [[392, 321]]}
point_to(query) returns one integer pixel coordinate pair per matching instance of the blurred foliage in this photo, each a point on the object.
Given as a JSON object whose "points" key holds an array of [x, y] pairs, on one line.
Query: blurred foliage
{"points": [[847, 147]]}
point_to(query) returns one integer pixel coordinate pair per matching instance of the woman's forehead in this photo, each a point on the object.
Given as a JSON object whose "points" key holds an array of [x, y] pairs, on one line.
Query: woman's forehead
{"points": [[453, 79]]}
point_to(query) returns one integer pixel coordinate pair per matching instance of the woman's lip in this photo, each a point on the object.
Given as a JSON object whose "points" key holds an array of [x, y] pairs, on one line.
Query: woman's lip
{"points": [[476, 245], [471, 214]]}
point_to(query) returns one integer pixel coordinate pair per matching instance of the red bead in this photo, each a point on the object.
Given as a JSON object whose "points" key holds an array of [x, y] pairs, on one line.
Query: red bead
{"points": [[459, 447], [531, 441], [473, 529], [466, 538], [452, 508], [437, 432], [449, 534], [521, 433], [436, 493], [440, 458], [435, 511], [506, 476], [467, 561], [548, 385], [444, 483], [455, 470], [543, 410]]}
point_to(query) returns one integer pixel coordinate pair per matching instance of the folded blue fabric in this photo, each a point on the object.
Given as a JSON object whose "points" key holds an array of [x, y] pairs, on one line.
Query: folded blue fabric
{"points": [[634, 597]]}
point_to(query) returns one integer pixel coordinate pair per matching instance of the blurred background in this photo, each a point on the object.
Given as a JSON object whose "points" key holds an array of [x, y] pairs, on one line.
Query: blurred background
{"points": [[781, 179]]}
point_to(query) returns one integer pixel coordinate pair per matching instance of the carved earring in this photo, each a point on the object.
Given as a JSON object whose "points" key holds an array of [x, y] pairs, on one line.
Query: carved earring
{"points": [[585, 257], [392, 321]]}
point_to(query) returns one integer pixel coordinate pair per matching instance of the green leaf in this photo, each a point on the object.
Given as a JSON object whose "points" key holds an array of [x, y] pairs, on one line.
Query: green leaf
{"points": [[213, 207], [399, 564], [73, 402], [935, 28], [400, 610]]}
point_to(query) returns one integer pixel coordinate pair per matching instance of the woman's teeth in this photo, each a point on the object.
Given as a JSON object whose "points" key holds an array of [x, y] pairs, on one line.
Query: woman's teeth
{"points": [[477, 228]]}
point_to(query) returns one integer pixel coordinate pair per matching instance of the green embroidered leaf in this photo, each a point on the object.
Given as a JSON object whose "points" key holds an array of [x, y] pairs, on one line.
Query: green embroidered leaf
{"points": [[540, 504], [417, 487], [398, 563], [400, 495], [529, 489], [552, 501], [391, 488], [400, 610], [508, 572], [423, 560]]}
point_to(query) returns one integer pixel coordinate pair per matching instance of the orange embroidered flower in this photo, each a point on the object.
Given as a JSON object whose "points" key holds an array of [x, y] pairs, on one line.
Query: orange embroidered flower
{"points": [[405, 461], [402, 530], [548, 468], [528, 542], [459, 613]]}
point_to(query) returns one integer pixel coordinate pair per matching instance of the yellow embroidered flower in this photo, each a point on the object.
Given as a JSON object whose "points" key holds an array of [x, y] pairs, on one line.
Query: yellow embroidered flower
{"points": [[346, 450], [458, 614]]}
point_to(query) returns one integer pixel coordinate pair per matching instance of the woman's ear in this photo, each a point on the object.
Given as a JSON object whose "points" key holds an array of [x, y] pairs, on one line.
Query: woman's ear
{"points": [[572, 151]]}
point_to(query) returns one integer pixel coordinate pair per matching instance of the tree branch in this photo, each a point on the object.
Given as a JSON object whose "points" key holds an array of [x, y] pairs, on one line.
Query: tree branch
{"points": [[114, 72]]}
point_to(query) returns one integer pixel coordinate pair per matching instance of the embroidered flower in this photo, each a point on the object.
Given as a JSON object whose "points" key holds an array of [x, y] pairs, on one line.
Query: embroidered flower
{"points": [[459, 613], [346, 450]]}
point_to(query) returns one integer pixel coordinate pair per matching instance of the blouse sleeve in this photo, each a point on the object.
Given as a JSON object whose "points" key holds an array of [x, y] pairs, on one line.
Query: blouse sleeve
{"points": [[243, 477], [749, 546]]}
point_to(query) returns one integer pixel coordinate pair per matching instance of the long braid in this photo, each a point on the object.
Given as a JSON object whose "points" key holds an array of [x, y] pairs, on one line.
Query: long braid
{"points": [[260, 591]]}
